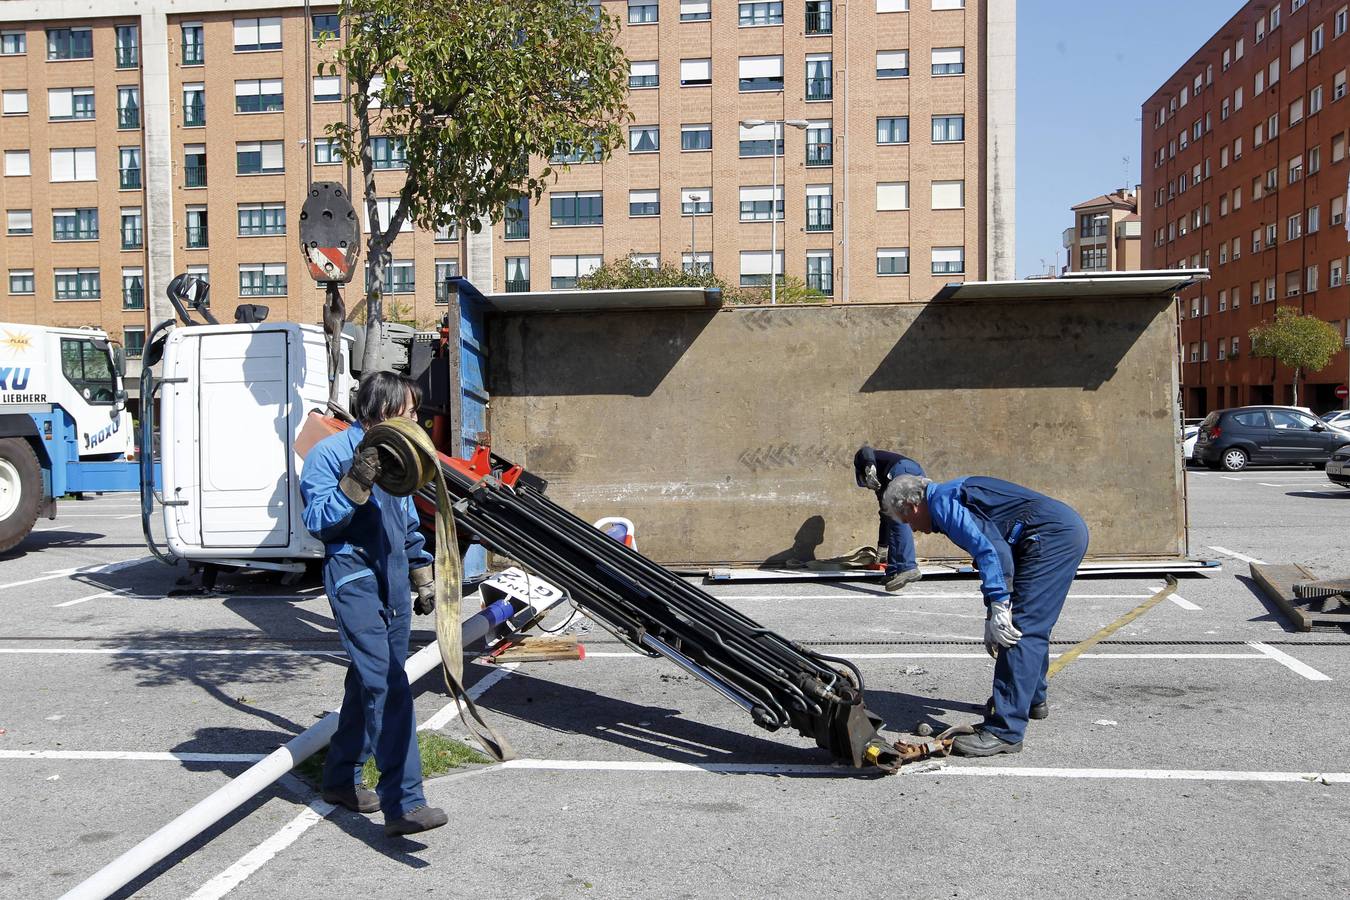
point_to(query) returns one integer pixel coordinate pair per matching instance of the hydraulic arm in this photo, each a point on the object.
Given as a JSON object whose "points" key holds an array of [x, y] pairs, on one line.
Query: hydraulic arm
{"points": [[777, 681]]}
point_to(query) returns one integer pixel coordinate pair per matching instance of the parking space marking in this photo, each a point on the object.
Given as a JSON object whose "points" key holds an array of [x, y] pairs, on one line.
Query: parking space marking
{"points": [[1145, 774], [1288, 661], [153, 651], [1242, 556], [627, 654], [908, 595], [86, 599], [1183, 603], [975, 770], [80, 570], [317, 810], [134, 756]]}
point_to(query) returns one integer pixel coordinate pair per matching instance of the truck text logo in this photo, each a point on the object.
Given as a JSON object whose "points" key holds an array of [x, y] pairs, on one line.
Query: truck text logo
{"points": [[14, 379], [93, 440]]}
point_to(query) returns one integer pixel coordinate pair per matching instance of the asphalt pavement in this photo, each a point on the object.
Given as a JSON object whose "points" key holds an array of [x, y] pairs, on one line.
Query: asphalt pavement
{"points": [[1201, 751]]}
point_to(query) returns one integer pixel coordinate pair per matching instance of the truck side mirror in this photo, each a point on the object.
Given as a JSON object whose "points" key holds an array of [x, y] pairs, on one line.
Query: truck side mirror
{"points": [[120, 362]]}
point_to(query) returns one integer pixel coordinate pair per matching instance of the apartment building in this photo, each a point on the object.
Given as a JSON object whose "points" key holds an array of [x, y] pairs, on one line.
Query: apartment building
{"points": [[1105, 233], [836, 142], [1245, 173]]}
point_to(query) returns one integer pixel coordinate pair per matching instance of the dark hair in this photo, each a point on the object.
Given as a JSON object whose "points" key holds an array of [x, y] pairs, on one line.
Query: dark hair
{"points": [[383, 395]]}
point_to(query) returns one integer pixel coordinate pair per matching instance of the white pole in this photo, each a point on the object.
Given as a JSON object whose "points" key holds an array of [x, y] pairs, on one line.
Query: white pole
{"points": [[130, 865], [773, 215]]}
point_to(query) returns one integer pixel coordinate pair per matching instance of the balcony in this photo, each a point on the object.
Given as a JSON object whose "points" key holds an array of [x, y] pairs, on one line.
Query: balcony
{"points": [[821, 22], [194, 176], [820, 281], [517, 286], [194, 115], [76, 233], [517, 229], [820, 219], [819, 88], [129, 179], [133, 298], [128, 57], [133, 239], [820, 154], [129, 117], [194, 54], [196, 237]]}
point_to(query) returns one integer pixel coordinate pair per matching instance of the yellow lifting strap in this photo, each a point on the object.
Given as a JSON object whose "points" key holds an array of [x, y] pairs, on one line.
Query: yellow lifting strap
{"points": [[409, 462]]}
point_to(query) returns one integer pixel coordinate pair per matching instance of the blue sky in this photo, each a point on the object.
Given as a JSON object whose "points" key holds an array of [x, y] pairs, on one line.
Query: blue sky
{"points": [[1084, 68]]}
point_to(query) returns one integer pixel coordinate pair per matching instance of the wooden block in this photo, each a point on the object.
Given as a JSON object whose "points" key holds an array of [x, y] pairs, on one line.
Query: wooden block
{"points": [[542, 649], [1277, 582]]}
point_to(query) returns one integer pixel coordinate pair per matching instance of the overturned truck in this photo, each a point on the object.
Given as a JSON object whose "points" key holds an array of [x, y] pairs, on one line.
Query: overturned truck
{"points": [[726, 433]]}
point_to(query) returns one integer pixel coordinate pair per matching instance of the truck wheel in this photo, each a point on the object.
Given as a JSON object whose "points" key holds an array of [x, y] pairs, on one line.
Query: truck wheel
{"points": [[20, 491]]}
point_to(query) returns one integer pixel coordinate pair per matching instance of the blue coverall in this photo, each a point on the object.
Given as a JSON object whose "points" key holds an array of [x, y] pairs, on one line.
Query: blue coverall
{"points": [[1028, 547], [368, 552], [896, 537]]}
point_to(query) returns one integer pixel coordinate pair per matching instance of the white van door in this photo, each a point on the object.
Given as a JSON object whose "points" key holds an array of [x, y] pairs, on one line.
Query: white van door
{"points": [[245, 452]]}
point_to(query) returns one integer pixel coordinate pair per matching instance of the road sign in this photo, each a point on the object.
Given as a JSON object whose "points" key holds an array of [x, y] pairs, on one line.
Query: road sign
{"points": [[1342, 392]]}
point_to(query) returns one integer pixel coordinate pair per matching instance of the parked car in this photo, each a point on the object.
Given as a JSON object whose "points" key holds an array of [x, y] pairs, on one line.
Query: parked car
{"points": [[1188, 436], [1340, 418], [1268, 435], [1338, 467]]}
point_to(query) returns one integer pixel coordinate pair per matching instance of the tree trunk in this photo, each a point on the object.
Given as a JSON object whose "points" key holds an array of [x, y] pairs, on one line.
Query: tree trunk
{"points": [[378, 259], [1297, 373]]}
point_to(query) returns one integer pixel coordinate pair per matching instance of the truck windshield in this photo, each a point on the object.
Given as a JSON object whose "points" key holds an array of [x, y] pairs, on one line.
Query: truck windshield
{"points": [[89, 370]]}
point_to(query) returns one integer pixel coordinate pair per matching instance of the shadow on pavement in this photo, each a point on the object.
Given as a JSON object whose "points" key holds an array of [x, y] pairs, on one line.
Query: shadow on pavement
{"points": [[1273, 612], [653, 731], [1330, 494]]}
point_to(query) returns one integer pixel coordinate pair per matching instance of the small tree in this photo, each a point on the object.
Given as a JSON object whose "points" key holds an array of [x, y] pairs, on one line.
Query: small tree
{"points": [[468, 91], [791, 290], [1304, 343], [624, 272]]}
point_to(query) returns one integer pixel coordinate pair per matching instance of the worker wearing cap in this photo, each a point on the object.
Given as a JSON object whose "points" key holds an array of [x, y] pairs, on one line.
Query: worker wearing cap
{"points": [[374, 554], [1028, 547], [874, 469]]}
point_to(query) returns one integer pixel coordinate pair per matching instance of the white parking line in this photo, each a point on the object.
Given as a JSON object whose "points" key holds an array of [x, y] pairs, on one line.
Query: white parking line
{"points": [[134, 756], [318, 810], [974, 770], [80, 570], [1242, 556], [1183, 602], [1288, 661], [908, 595], [86, 599], [624, 654]]}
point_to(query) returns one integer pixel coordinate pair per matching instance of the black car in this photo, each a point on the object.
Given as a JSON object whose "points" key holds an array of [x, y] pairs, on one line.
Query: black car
{"points": [[1269, 435]]}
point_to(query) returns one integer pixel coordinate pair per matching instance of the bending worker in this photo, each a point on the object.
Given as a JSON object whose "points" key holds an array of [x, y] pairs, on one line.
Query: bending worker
{"points": [[373, 553], [874, 469], [1027, 547]]}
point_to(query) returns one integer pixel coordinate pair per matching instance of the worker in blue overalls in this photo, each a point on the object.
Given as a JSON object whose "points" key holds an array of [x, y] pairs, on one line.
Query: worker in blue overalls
{"points": [[374, 554], [874, 469], [1027, 547]]}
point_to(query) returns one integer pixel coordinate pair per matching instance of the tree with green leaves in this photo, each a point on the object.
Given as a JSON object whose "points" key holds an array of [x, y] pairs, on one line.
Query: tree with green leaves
{"points": [[626, 273], [1304, 343], [468, 91]]}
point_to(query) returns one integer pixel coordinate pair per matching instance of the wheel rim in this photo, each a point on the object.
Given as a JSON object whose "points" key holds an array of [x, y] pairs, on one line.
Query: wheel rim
{"points": [[10, 489], [1235, 459]]}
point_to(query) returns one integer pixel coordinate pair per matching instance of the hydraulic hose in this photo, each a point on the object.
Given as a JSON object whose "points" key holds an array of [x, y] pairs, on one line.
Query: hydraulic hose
{"points": [[409, 462]]}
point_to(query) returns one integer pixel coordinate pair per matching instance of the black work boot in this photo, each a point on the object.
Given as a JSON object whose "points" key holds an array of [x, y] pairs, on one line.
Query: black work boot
{"points": [[899, 580], [1038, 710], [423, 818], [356, 798], [982, 743]]}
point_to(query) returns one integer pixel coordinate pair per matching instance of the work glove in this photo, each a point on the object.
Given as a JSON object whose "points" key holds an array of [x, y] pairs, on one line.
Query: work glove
{"points": [[999, 630], [364, 472], [870, 478], [424, 583]]}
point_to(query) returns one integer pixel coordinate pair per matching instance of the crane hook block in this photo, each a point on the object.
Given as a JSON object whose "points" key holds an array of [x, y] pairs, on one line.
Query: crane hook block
{"points": [[330, 235]]}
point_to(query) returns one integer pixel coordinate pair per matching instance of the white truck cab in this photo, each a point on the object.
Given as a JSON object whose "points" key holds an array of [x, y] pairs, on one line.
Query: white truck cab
{"points": [[64, 427]]}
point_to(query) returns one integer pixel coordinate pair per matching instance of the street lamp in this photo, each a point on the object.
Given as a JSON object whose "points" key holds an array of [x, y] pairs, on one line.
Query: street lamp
{"points": [[778, 124]]}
